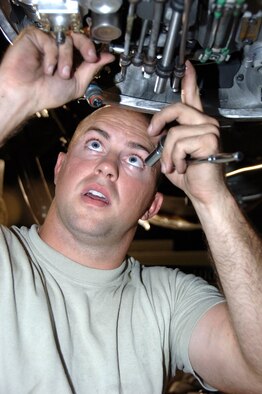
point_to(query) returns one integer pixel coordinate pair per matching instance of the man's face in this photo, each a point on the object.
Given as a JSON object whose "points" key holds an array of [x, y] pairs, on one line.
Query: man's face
{"points": [[102, 184]]}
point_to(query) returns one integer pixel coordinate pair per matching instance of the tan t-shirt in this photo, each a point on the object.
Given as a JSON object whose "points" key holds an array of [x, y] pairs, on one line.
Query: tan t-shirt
{"points": [[66, 328]]}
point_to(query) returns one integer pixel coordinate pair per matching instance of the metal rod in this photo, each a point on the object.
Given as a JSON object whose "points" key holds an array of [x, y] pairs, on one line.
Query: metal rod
{"points": [[169, 51], [158, 10]]}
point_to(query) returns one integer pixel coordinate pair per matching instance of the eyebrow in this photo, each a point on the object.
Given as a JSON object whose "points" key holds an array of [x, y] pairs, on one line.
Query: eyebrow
{"points": [[130, 144], [103, 133], [135, 145]]}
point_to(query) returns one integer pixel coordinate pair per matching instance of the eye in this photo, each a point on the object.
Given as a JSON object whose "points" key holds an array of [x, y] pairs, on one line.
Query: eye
{"points": [[136, 161], [94, 144]]}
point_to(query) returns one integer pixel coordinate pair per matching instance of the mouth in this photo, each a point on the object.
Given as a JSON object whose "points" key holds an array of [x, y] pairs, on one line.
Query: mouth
{"points": [[97, 196]]}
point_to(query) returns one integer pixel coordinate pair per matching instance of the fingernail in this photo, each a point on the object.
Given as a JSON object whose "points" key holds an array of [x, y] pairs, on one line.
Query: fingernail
{"points": [[163, 168], [92, 53], [50, 69], [66, 71], [150, 128]]}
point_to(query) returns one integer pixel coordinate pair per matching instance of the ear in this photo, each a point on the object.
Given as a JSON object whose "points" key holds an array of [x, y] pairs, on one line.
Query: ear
{"points": [[154, 207], [59, 162]]}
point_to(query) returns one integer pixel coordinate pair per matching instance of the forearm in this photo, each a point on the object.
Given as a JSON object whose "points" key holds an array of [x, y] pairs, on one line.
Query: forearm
{"points": [[13, 111], [237, 253]]}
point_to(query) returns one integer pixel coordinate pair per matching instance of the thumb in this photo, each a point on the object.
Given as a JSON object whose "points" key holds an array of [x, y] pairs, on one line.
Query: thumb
{"points": [[87, 71]]}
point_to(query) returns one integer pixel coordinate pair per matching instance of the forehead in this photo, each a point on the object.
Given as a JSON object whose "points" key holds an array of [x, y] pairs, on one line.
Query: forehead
{"points": [[117, 121]]}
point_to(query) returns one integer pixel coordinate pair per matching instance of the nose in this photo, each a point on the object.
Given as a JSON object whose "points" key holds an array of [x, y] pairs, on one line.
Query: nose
{"points": [[108, 167]]}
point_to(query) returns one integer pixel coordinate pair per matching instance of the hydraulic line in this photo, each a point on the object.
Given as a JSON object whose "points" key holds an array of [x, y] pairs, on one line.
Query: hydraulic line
{"points": [[149, 64], [179, 69], [125, 59], [236, 17], [138, 58], [218, 12], [165, 65]]}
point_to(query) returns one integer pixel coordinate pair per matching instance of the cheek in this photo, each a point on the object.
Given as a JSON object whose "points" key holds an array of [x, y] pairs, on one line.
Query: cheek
{"points": [[137, 192], [68, 175], [74, 166]]}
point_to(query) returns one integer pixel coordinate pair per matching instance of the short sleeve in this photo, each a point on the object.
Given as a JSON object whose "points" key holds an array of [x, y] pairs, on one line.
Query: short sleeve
{"points": [[193, 298]]}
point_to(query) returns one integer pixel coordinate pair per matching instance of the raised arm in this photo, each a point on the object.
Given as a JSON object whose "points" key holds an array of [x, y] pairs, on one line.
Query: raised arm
{"points": [[35, 74], [226, 345]]}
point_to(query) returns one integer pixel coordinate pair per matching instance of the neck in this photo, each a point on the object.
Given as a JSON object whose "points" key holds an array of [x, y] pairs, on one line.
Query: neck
{"points": [[93, 252]]}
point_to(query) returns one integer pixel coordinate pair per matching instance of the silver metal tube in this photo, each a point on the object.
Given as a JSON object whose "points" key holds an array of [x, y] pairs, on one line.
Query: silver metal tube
{"points": [[158, 10], [142, 36], [169, 50], [154, 156], [129, 28]]}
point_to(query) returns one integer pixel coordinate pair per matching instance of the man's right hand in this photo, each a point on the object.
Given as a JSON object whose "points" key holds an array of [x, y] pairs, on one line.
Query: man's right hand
{"points": [[38, 74]]}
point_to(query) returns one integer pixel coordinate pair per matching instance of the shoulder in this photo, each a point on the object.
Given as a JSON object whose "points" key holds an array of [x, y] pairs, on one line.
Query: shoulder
{"points": [[13, 239], [171, 282]]}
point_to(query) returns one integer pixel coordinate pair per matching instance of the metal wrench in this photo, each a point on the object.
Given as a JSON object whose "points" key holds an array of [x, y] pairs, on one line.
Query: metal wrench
{"points": [[155, 155]]}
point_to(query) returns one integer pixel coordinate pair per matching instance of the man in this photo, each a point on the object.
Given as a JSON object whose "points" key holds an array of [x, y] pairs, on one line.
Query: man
{"points": [[78, 316]]}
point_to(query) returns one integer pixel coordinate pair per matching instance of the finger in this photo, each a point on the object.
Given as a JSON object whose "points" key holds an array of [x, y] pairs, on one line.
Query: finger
{"points": [[86, 72], [87, 49], [182, 113], [65, 59], [190, 92], [85, 46], [199, 146], [34, 41], [92, 62], [180, 132]]}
